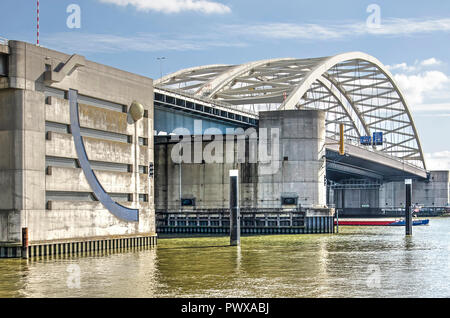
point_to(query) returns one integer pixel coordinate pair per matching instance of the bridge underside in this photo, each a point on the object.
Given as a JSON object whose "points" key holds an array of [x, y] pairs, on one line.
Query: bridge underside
{"points": [[363, 162], [347, 167]]}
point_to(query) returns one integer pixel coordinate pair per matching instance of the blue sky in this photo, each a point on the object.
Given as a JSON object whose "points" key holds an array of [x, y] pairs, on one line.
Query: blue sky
{"points": [[413, 40]]}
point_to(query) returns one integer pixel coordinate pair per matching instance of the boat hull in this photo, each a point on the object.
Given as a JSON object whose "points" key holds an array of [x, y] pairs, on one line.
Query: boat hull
{"points": [[415, 223]]}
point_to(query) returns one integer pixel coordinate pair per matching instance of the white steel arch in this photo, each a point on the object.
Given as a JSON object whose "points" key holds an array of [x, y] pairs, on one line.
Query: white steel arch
{"points": [[219, 82], [353, 88], [191, 78]]}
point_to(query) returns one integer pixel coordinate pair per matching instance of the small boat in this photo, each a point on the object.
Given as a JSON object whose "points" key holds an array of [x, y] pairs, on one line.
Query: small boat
{"points": [[415, 222], [364, 222]]}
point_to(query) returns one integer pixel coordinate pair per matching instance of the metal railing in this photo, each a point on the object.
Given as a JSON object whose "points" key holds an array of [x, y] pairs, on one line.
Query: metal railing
{"points": [[418, 211], [214, 205], [220, 219], [210, 102], [3, 41]]}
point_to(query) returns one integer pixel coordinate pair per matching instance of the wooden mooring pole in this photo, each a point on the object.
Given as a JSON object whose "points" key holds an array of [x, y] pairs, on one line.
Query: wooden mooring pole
{"points": [[235, 218], [337, 221], [24, 242], [408, 210]]}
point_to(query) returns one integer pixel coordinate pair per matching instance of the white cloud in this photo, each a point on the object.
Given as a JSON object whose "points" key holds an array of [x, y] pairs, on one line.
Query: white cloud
{"points": [[417, 66], [388, 27], [410, 26], [426, 89], [286, 31], [430, 62], [433, 107], [174, 6], [106, 43], [438, 160], [439, 115], [417, 87], [401, 66]]}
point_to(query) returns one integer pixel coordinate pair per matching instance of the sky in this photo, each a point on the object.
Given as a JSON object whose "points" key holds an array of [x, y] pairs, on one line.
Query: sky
{"points": [[410, 37]]}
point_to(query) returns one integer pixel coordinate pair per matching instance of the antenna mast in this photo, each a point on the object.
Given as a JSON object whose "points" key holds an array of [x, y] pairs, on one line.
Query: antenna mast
{"points": [[37, 30]]}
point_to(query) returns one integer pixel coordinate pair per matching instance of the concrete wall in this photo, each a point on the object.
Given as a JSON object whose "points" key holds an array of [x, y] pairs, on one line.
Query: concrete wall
{"points": [[208, 183], [434, 192], [28, 103], [357, 198], [301, 137], [301, 158]]}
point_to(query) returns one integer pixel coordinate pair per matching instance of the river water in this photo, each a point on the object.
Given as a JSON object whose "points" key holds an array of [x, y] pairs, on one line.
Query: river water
{"points": [[358, 262]]}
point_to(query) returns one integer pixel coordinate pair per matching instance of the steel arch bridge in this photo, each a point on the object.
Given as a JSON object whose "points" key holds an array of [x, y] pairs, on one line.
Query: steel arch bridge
{"points": [[354, 89]]}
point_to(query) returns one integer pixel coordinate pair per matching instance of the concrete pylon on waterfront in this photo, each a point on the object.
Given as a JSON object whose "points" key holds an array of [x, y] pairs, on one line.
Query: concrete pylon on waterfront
{"points": [[43, 187]]}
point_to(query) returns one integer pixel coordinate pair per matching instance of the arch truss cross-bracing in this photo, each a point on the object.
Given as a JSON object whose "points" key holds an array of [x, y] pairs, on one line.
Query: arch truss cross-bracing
{"points": [[352, 88]]}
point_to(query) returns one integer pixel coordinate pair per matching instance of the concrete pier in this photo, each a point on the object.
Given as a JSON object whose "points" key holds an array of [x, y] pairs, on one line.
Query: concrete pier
{"points": [[261, 222], [284, 176], [76, 247], [44, 187]]}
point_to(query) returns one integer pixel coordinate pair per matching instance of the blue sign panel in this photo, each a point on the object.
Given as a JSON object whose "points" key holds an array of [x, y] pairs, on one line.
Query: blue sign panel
{"points": [[366, 140], [378, 138]]}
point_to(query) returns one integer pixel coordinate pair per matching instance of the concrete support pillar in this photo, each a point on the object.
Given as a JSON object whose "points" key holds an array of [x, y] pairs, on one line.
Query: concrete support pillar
{"points": [[294, 142]]}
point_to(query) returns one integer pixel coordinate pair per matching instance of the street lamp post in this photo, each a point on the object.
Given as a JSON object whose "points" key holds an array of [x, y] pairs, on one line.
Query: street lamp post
{"points": [[161, 59]]}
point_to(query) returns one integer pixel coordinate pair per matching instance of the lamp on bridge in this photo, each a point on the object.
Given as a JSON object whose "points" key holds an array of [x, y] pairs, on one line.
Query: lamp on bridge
{"points": [[341, 140]]}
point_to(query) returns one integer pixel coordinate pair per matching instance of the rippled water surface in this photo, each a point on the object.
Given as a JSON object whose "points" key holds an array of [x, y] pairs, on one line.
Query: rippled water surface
{"points": [[358, 262]]}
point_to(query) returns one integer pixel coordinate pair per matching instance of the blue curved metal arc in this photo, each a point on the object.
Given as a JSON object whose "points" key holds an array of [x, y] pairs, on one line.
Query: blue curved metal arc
{"points": [[121, 212]]}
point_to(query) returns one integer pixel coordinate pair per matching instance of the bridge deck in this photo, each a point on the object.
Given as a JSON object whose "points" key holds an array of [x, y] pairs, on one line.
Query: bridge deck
{"points": [[359, 160], [371, 163]]}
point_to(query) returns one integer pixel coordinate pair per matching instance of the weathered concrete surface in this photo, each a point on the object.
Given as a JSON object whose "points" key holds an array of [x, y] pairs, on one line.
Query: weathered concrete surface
{"points": [[4, 49], [25, 107], [207, 183], [112, 182], [301, 140], [302, 172], [22, 164], [389, 195], [357, 198], [434, 192]]}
